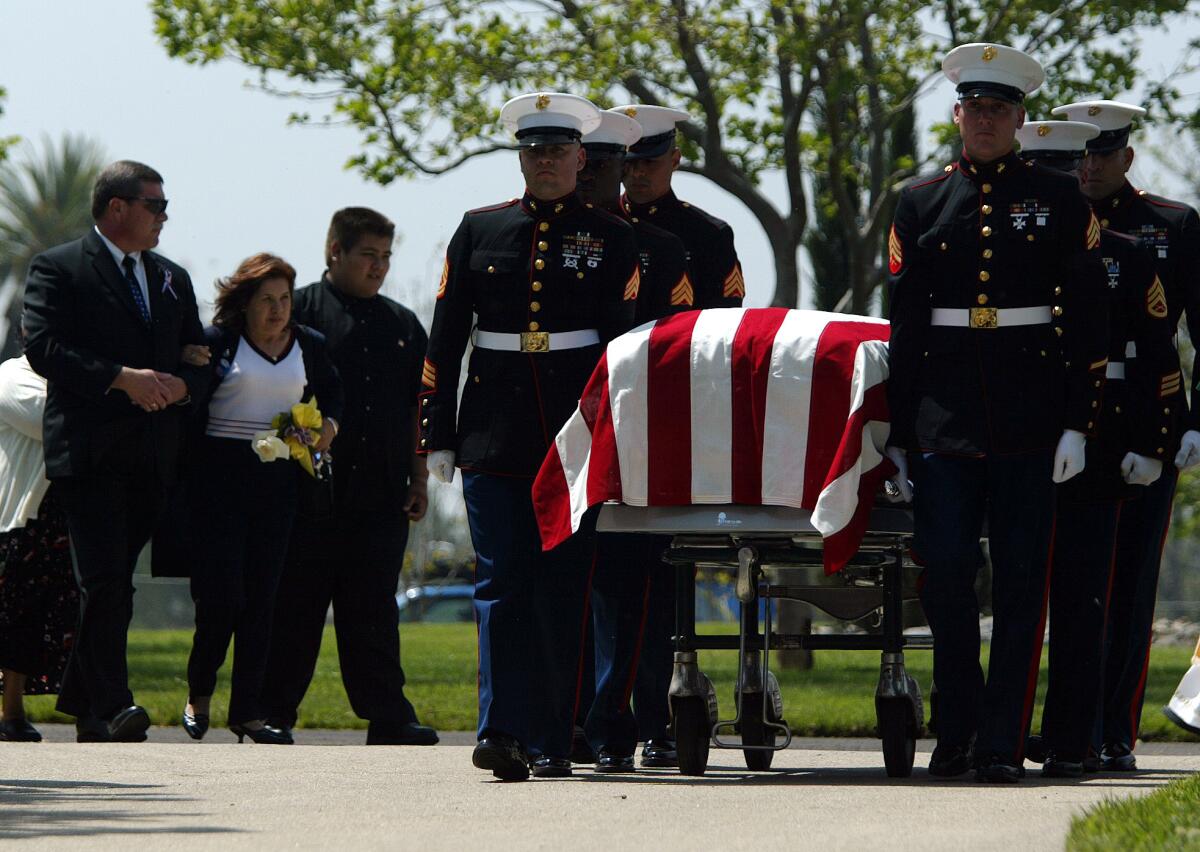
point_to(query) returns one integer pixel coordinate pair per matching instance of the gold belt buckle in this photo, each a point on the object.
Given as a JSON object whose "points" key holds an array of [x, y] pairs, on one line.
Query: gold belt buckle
{"points": [[984, 318], [535, 341]]}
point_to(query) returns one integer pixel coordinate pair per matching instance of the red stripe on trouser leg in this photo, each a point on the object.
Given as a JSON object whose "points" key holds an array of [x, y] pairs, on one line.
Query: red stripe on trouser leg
{"points": [[583, 625], [1036, 657], [749, 369], [637, 647], [668, 411], [1139, 694]]}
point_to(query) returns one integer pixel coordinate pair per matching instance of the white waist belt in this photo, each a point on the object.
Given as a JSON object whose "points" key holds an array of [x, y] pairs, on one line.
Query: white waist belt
{"points": [[1115, 370], [535, 341], [990, 317]]}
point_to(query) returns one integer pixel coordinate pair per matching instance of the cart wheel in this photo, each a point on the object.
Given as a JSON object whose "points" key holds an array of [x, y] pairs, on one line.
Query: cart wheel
{"points": [[754, 732], [899, 746], [692, 732]]}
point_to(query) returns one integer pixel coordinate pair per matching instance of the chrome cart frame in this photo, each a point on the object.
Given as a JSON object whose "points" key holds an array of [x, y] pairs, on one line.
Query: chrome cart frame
{"points": [[748, 540]]}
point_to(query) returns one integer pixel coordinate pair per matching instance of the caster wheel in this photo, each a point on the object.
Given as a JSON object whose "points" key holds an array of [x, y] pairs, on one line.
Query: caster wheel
{"points": [[692, 732]]}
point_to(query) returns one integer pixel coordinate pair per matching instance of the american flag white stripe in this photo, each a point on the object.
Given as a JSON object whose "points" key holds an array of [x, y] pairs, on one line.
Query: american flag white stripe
{"points": [[789, 398], [628, 380], [711, 394]]}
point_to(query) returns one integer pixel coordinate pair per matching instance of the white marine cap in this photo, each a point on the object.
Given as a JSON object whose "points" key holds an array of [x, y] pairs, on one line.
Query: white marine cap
{"points": [[616, 133], [981, 70], [549, 118], [658, 129], [1060, 144], [1112, 117]]}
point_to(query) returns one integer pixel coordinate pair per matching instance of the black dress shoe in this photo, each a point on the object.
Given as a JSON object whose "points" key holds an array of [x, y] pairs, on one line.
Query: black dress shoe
{"points": [[1117, 757], [581, 749], [266, 735], [397, 733], [660, 753], [551, 767], [503, 756], [609, 762], [196, 724], [997, 771], [19, 731], [1055, 766], [1091, 762], [129, 725], [1035, 748], [284, 728], [950, 761]]}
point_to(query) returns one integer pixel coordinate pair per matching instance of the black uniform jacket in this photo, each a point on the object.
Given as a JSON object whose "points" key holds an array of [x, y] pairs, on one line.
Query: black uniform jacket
{"points": [[712, 261], [378, 346], [523, 266], [83, 326], [1172, 230], [1008, 234], [666, 286], [1135, 414], [172, 554]]}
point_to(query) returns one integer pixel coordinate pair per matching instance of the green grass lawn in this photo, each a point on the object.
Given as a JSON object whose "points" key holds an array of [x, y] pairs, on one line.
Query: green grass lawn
{"points": [[1167, 819], [835, 698]]}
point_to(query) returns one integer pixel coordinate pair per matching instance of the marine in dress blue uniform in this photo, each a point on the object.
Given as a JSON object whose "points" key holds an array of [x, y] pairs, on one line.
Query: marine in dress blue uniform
{"points": [[551, 280], [998, 349], [1125, 456], [1172, 230], [625, 563], [651, 161]]}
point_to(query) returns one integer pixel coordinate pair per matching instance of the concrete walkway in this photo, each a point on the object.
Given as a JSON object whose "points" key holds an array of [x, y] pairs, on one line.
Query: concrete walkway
{"points": [[823, 794]]}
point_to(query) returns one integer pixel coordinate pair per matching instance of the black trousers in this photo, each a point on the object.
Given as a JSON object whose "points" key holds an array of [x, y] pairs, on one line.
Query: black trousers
{"points": [[240, 539], [354, 564], [110, 519], [1085, 538]]}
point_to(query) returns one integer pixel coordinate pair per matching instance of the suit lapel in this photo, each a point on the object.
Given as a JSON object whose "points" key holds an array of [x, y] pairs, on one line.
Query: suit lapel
{"points": [[110, 274]]}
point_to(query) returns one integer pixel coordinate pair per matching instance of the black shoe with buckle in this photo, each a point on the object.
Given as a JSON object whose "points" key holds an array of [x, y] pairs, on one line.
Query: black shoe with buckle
{"points": [[403, 733], [545, 766], [1056, 766], [19, 731], [660, 753], [1117, 757], [609, 762], [949, 761], [996, 770], [502, 756]]}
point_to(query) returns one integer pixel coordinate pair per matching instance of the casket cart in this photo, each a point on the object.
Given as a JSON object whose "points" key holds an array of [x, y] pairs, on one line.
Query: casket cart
{"points": [[747, 540]]}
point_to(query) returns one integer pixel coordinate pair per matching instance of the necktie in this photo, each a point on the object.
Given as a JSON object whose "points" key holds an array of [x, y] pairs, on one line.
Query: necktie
{"points": [[136, 289]]}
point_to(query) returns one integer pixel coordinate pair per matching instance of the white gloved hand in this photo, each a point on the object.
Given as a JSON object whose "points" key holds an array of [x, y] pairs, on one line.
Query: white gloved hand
{"points": [[1140, 470], [1189, 450], [441, 465], [902, 491], [1069, 457]]}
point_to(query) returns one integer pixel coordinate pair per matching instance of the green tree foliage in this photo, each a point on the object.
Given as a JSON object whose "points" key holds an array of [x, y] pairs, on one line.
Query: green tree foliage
{"points": [[6, 142], [45, 200], [820, 92]]}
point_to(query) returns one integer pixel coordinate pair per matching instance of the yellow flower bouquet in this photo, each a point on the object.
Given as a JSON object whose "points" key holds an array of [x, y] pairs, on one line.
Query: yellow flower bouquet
{"points": [[294, 434]]}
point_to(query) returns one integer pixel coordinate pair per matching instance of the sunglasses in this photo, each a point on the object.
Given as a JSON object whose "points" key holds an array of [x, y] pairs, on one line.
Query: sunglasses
{"points": [[156, 206]]}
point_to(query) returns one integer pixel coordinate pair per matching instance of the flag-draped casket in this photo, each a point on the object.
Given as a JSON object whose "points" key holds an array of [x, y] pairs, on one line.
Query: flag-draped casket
{"points": [[758, 406]]}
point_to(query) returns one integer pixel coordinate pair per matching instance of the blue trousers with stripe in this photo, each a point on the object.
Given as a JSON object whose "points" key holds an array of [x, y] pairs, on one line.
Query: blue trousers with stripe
{"points": [[529, 609]]}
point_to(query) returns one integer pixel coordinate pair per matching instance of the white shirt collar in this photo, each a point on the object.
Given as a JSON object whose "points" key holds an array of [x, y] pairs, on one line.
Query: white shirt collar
{"points": [[117, 253]]}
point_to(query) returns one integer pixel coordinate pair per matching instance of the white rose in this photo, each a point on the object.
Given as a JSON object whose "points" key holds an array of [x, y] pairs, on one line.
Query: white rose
{"points": [[268, 447]]}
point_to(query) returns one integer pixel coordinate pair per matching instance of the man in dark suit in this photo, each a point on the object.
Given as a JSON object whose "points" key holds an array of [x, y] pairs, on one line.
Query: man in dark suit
{"points": [[106, 320], [350, 553]]}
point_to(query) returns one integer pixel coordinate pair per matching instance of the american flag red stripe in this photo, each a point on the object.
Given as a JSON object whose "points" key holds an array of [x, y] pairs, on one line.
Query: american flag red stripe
{"points": [[759, 407]]}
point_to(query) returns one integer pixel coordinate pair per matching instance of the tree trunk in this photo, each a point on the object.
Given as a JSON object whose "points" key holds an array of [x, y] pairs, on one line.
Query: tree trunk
{"points": [[787, 271]]}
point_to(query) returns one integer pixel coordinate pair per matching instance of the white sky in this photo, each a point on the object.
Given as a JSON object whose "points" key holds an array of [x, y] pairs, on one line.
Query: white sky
{"points": [[241, 181]]}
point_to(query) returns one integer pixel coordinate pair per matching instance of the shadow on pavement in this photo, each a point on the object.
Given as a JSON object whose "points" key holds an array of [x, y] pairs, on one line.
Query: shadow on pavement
{"points": [[43, 809]]}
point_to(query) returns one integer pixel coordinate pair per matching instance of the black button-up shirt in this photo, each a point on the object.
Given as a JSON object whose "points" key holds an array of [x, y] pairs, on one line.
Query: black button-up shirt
{"points": [[378, 346]]}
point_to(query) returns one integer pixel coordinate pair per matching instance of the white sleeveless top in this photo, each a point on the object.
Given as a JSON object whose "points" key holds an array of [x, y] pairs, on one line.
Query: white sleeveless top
{"points": [[254, 390]]}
